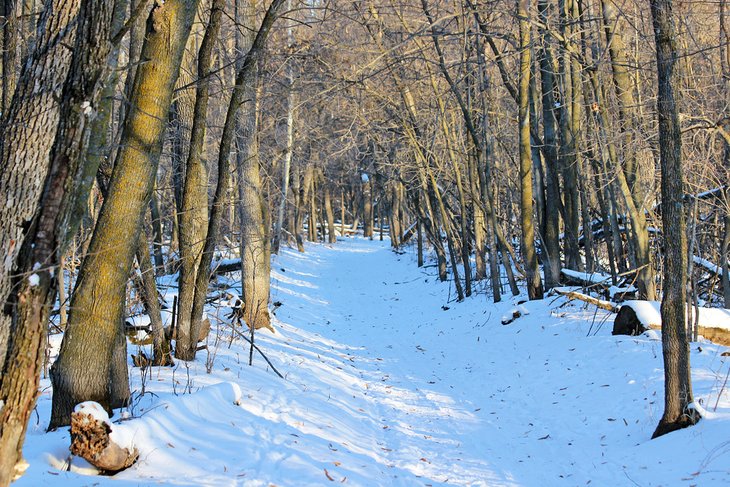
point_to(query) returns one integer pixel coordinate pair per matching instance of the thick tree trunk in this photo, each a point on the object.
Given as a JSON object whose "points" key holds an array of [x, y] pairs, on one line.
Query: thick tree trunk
{"points": [[675, 343], [27, 137], [46, 152], [532, 271], [98, 305]]}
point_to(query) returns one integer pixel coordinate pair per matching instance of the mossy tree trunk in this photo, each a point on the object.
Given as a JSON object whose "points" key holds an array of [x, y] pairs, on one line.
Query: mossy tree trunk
{"points": [[97, 309]]}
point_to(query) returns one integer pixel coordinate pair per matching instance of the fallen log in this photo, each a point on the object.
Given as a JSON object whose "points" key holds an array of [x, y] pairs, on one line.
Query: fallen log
{"points": [[573, 294], [91, 439], [225, 266], [635, 317]]}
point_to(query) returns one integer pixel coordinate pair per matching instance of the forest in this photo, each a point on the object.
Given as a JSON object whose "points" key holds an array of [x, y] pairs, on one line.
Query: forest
{"points": [[207, 204]]}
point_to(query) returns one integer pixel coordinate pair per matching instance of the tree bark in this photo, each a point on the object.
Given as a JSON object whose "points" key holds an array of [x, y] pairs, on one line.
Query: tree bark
{"points": [[675, 343], [290, 112], [532, 271], [9, 49], [551, 236], [52, 146], [161, 353], [28, 134], [244, 78], [255, 254], [193, 218]]}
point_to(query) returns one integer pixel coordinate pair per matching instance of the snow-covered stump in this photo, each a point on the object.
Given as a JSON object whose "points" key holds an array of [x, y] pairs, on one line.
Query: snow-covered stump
{"points": [[91, 439]]}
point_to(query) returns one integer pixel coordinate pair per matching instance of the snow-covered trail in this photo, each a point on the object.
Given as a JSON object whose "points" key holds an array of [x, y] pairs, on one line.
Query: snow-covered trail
{"points": [[462, 399], [389, 383], [391, 318]]}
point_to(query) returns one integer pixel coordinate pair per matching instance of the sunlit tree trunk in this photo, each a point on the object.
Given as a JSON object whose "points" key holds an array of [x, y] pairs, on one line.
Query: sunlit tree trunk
{"points": [[534, 282], [255, 256], [290, 113], [97, 309], [193, 218]]}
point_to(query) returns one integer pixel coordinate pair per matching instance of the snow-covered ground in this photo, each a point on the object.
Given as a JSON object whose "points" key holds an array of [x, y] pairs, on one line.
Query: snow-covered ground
{"points": [[388, 383]]}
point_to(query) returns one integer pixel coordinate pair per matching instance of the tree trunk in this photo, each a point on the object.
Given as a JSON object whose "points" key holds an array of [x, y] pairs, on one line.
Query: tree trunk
{"points": [[46, 148], [255, 255], [9, 49], [331, 236], [675, 344], [725, 265], [367, 206], [568, 150], [161, 353], [620, 64], [98, 305], [27, 137], [396, 226], [245, 77], [532, 271], [193, 218], [551, 236], [157, 234], [286, 167]]}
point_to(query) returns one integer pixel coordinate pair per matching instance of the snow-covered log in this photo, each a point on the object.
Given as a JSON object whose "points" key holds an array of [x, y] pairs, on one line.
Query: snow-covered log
{"points": [[635, 317], [574, 294], [91, 439]]}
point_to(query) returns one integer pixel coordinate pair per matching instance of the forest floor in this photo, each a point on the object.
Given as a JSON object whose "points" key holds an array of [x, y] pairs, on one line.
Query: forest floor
{"points": [[390, 382]]}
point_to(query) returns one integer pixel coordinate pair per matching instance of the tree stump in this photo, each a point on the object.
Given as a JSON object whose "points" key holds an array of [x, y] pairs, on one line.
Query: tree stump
{"points": [[627, 323], [90, 439]]}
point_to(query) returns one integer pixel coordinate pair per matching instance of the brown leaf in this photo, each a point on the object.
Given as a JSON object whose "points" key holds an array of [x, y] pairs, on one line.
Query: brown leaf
{"points": [[329, 477]]}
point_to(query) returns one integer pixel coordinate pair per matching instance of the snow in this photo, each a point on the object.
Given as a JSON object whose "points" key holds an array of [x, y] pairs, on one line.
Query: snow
{"points": [[94, 410], [34, 279], [649, 314], [384, 387]]}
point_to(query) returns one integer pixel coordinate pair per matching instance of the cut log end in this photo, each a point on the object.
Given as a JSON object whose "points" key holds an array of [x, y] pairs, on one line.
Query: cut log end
{"points": [[90, 440], [627, 323]]}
